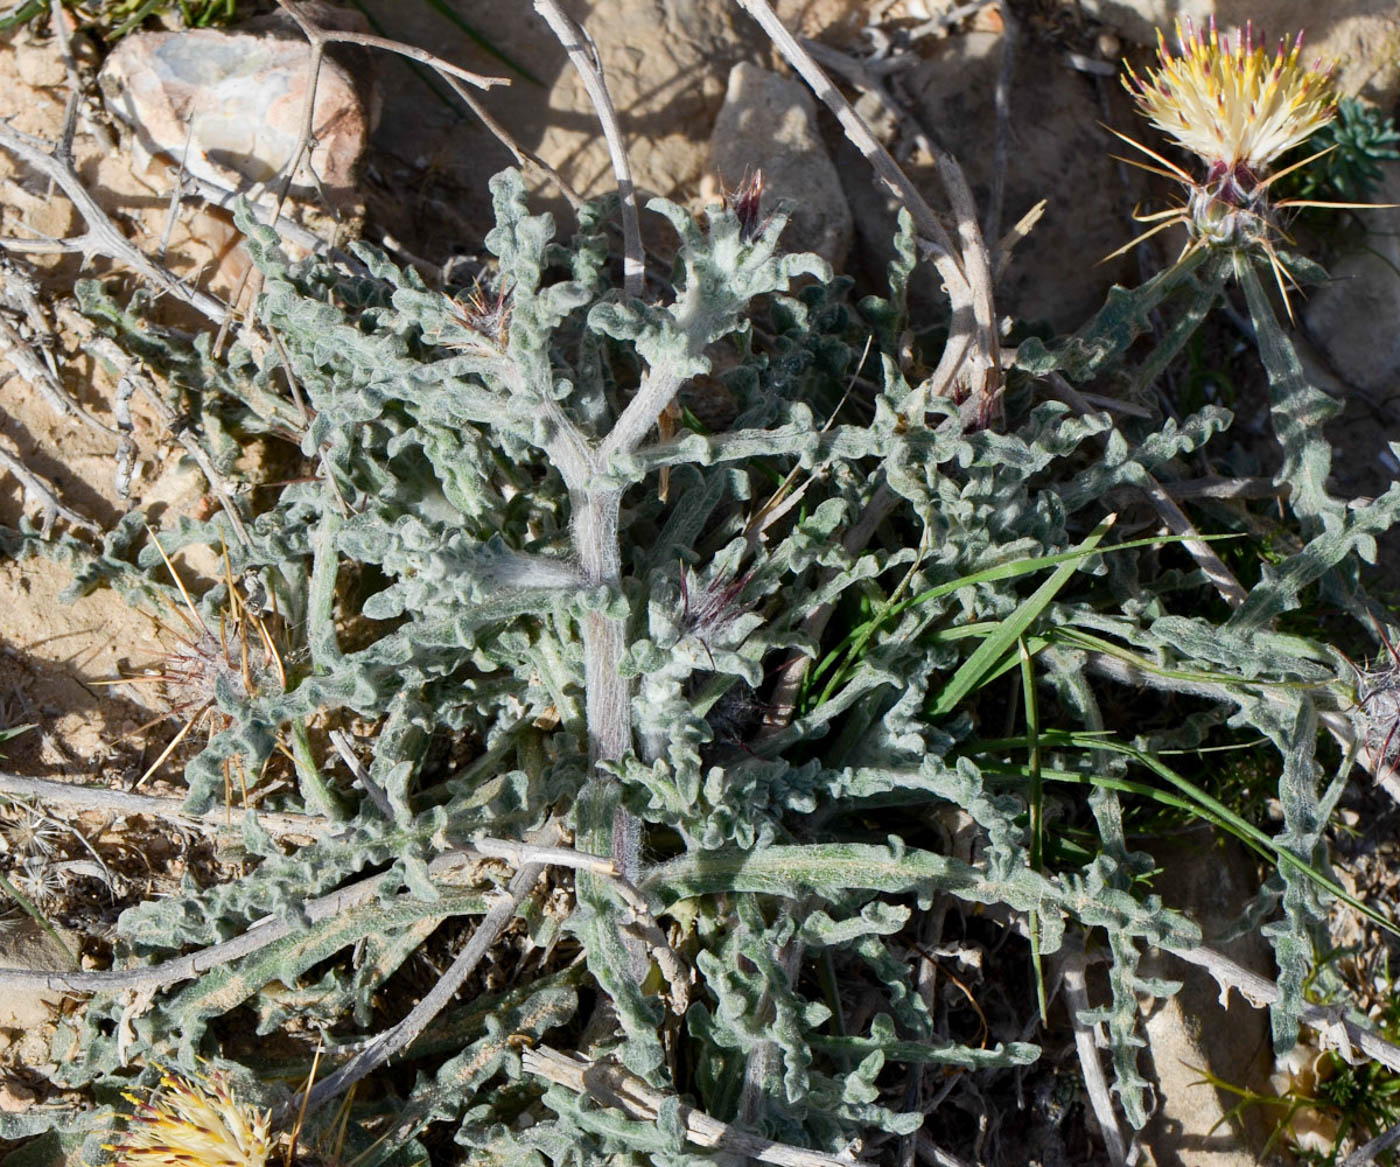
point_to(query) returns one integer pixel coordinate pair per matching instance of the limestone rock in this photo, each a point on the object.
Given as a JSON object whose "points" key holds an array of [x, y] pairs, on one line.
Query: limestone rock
{"points": [[769, 123], [1342, 316], [230, 105], [1196, 1030], [1057, 150], [1362, 36]]}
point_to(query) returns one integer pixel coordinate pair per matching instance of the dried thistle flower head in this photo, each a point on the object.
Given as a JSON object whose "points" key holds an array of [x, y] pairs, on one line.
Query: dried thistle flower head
{"points": [[1231, 105], [193, 1123], [1378, 697]]}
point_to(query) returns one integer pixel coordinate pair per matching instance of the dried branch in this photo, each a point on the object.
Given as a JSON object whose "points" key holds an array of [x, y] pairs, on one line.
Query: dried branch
{"points": [[534, 859], [305, 146], [455, 76], [1176, 520], [102, 798], [399, 1037], [972, 353], [182, 968], [991, 227], [1334, 1028], [102, 236], [289, 229], [19, 351], [341, 741], [585, 60], [412, 52], [1072, 967], [1365, 1155], [132, 377], [37, 490]]}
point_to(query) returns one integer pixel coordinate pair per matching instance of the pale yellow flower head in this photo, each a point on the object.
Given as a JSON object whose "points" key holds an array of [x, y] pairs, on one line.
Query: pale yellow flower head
{"points": [[197, 1123], [1233, 104]]}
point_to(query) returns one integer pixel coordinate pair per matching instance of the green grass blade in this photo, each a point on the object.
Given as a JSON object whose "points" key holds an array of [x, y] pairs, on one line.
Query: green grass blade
{"points": [[1034, 800], [847, 651], [1190, 798], [19, 16], [975, 669]]}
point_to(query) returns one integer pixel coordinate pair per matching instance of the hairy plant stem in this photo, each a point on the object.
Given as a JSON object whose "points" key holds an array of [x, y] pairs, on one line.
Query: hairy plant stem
{"points": [[607, 700]]}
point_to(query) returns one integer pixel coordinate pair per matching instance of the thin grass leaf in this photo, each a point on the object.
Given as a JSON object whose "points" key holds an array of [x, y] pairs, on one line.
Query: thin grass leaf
{"points": [[1035, 809], [854, 641], [975, 669]]}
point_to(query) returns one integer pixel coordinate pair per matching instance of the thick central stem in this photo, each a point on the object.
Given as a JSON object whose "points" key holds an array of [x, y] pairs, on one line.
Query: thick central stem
{"points": [[608, 696]]}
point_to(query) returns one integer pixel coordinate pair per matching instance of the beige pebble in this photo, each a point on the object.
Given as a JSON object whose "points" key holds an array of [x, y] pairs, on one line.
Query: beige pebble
{"points": [[40, 65], [14, 1098]]}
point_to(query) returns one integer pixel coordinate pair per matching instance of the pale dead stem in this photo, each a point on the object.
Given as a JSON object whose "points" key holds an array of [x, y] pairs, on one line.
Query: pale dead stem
{"points": [[102, 236], [454, 75], [971, 358], [1333, 1026], [1071, 968], [123, 802], [132, 376], [584, 58], [530, 859], [399, 1036]]}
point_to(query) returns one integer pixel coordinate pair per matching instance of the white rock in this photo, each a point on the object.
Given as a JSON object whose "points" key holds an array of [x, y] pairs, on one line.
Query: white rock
{"points": [[1057, 150], [1361, 36], [1196, 1030], [768, 122], [231, 106], [1345, 317]]}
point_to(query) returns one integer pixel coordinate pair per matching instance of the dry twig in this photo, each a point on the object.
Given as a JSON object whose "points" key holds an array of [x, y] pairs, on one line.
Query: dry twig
{"points": [[132, 377], [1335, 1029], [456, 78], [585, 60], [102, 236], [259, 936], [1072, 967], [37, 490], [102, 798], [40, 373], [533, 860], [383, 1047], [991, 228], [971, 355]]}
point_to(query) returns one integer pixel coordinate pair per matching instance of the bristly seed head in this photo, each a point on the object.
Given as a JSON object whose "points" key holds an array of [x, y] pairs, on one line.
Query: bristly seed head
{"points": [[1378, 698], [1231, 105], [485, 316], [1238, 110], [193, 1123], [746, 201]]}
